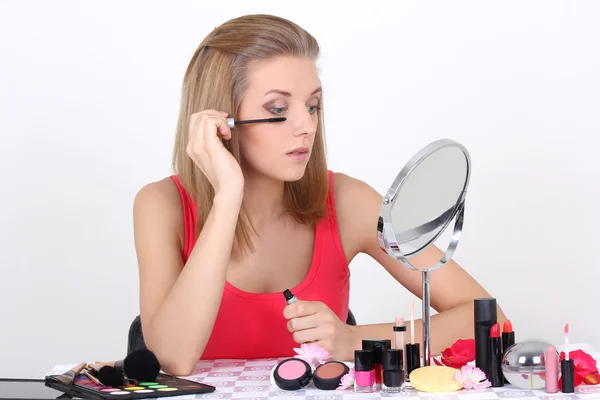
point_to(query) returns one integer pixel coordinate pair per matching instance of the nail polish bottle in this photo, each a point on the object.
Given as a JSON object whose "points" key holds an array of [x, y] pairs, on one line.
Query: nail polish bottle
{"points": [[364, 371], [377, 346], [393, 373]]}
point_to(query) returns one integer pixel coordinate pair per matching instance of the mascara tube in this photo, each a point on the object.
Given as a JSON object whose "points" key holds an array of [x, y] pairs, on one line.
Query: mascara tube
{"points": [[485, 317], [289, 296]]}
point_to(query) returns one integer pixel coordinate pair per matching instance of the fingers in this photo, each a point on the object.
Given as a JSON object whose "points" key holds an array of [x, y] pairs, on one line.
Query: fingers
{"points": [[303, 323], [307, 336], [208, 120], [301, 309]]}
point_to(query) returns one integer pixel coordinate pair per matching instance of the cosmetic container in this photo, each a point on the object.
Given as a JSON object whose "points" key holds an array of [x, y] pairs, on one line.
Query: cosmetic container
{"points": [[377, 346], [363, 371], [551, 361], [393, 373], [567, 373], [523, 364], [486, 316], [413, 359]]}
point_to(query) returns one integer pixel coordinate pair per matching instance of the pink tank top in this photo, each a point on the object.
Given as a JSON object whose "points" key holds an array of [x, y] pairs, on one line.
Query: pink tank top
{"points": [[251, 325]]}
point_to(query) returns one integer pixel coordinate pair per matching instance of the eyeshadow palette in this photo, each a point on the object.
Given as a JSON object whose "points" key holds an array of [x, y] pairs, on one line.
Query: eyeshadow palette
{"points": [[163, 386]]}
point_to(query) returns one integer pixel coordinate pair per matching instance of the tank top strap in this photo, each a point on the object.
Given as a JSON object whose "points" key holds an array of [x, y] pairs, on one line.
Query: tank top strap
{"points": [[189, 218]]}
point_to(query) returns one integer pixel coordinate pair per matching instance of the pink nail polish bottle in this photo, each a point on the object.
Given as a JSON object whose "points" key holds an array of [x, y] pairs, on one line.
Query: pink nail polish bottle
{"points": [[364, 371]]}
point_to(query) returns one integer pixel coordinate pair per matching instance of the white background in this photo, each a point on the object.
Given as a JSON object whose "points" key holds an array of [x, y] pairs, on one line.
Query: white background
{"points": [[89, 95]]}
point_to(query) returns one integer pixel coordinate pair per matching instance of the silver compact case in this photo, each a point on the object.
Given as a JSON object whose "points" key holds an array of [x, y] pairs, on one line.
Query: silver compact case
{"points": [[523, 364]]}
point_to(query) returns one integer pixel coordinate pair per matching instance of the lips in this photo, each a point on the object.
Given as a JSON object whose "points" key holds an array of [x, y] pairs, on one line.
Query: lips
{"points": [[298, 151]]}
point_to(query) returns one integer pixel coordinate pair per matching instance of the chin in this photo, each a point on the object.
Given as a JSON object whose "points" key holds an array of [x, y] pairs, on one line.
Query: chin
{"points": [[290, 174]]}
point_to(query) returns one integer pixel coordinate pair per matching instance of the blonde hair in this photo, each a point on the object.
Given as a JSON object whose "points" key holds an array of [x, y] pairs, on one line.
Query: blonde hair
{"points": [[216, 78]]}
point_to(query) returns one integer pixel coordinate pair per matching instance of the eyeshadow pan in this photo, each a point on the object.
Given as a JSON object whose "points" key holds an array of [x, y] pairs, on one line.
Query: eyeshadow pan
{"points": [[330, 370], [167, 389]]}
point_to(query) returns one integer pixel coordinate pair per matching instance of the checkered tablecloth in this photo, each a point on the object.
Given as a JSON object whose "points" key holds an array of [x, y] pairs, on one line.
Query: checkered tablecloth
{"points": [[250, 380]]}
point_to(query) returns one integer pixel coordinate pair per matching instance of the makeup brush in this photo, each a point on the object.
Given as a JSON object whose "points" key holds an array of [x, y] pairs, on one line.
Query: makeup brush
{"points": [[232, 123], [68, 377], [108, 375]]}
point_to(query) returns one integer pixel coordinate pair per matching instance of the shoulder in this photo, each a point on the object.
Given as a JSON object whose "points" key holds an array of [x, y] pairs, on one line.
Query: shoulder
{"points": [[357, 207], [160, 201]]}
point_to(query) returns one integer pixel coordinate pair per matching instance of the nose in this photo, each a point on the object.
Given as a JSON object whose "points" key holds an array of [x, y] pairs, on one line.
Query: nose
{"points": [[304, 123]]}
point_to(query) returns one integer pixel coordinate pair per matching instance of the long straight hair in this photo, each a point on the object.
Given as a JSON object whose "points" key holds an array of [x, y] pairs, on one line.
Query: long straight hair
{"points": [[216, 78]]}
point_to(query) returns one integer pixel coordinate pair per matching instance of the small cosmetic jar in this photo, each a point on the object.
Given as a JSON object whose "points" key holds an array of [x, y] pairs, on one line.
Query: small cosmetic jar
{"points": [[329, 375], [292, 374], [523, 364]]}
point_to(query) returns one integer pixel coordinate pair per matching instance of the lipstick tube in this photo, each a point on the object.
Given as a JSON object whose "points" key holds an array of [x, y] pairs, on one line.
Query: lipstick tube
{"points": [[495, 376]]}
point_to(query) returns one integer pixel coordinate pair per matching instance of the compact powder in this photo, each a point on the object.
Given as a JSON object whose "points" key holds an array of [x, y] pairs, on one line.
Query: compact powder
{"points": [[329, 375], [292, 369], [292, 374], [330, 371]]}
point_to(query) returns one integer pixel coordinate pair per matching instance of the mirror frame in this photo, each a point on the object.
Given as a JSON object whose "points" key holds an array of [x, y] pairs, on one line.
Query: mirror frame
{"points": [[385, 231]]}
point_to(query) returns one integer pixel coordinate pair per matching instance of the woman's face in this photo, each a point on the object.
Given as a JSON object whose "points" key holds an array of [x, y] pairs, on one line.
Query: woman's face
{"points": [[280, 87]]}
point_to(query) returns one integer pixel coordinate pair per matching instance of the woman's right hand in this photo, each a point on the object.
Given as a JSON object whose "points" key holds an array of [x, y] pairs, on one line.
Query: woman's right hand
{"points": [[208, 153]]}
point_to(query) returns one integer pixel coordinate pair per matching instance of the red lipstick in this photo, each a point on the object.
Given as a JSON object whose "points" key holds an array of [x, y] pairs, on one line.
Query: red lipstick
{"points": [[495, 376], [508, 338]]}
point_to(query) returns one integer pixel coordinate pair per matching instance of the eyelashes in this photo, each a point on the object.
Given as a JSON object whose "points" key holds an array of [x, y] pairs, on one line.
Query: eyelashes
{"points": [[282, 110]]}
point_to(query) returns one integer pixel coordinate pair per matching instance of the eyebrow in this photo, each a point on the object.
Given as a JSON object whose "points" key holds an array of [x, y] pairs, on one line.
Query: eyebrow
{"points": [[288, 94]]}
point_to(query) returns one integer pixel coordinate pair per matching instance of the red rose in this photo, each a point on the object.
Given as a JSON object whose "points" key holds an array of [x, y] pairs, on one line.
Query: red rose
{"points": [[459, 354], [586, 370]]}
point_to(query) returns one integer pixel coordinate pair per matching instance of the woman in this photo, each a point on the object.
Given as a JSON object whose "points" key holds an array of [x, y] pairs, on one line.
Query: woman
{"points": [[253, 210]]}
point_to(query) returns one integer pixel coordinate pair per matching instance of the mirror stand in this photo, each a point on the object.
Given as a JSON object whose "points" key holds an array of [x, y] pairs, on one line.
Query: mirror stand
{"points": [[425, 274]]}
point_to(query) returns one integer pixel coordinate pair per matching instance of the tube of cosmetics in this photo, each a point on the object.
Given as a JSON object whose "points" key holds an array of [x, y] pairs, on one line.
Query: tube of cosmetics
{"points": [[485, 318]]}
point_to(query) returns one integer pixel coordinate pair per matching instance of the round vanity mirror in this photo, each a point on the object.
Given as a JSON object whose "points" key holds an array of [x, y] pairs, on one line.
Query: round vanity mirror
{"points": [[426, 196]]}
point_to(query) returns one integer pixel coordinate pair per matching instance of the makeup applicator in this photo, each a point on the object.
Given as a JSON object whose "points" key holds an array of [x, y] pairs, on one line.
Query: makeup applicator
{"points": [[413, 356], [140, 365], [567, 367], [232, 123]]}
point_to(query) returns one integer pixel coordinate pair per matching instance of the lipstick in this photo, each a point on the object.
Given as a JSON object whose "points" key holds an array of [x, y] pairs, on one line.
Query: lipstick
{"points": [[508, 338], [508, 335], [495, 376]]}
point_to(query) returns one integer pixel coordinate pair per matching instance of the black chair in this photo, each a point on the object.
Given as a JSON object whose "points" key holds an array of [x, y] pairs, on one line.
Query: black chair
{"points": [[135, 339]]}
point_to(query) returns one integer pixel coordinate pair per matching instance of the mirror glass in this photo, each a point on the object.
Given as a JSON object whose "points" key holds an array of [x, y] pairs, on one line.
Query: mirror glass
{"points": [[427, 198]]}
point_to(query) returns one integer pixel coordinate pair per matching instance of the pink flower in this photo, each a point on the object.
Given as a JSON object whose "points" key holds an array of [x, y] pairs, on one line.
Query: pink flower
{"points": [[312, 354], [347, 380], [472, 378]]}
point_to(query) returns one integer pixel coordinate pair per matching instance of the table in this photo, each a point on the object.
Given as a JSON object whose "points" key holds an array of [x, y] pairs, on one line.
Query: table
{"points": [[250, 380]]}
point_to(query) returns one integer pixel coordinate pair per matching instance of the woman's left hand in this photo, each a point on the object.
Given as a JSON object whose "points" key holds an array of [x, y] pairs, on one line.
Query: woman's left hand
{"points": [[313, 321]]}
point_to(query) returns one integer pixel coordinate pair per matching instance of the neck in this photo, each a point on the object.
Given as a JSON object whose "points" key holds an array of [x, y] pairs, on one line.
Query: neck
{"points": [[263, 199]]}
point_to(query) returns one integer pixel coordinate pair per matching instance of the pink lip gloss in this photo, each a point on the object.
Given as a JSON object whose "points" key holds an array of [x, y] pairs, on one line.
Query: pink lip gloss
{"points": [[551, 361], [363, 371]]}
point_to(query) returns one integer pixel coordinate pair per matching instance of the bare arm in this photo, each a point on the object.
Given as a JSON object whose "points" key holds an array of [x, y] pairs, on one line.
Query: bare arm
{"points": [[178, 306], [452, 288]]}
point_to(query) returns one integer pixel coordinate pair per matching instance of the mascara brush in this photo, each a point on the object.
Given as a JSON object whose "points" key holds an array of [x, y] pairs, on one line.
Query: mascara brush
{"points": [[232, 123]]}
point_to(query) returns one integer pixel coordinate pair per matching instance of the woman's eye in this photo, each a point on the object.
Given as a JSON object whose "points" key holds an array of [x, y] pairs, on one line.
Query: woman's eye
{"points": [[313, 109], [277, 110]]}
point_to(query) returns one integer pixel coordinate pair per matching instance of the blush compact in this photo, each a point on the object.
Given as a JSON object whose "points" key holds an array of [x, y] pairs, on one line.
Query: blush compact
{"points": [[329, 375], [292, 374]]}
